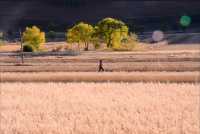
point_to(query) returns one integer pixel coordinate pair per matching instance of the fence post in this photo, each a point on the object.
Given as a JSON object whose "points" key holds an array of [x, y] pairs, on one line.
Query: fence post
{"points": [[21, 44]]}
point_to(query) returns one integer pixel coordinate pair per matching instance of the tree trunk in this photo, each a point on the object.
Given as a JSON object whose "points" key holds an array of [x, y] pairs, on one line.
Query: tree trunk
{"points": [[86, 46], [109, 43], [79, 47]]}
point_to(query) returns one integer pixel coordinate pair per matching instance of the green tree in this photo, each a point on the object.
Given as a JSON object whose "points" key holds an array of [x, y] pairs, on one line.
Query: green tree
{"points": [[33, 36], [112, 31], [81, 33]]}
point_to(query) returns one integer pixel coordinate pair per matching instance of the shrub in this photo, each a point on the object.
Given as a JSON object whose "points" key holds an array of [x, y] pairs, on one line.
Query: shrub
{"points": [[97, 45], [67, 47], [28, 48], [1, 43], [33, 36], [52, 26], [57, 49], [1, 35], [51, 35], [80, 33], [111, 31], [128, 44], [1, 39]]}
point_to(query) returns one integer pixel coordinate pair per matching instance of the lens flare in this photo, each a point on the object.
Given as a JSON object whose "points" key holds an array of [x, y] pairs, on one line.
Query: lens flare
{"points": [[185, 21], [158, 35]]}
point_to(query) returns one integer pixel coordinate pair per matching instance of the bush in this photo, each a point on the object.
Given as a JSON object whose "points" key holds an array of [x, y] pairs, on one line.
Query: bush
{"points": [[34, 37], [1, 43], [1, 35], [51, 35], [1, 39], [58, 48], [28, 48], [67, 47], [128, 44], [97, 45]]}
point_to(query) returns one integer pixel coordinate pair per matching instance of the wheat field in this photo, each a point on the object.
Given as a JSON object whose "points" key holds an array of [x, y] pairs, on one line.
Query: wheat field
{"points": [[99, 108]]}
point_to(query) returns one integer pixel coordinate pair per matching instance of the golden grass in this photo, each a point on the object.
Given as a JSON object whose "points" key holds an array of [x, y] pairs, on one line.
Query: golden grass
{"points": [[11, 47], [111, 66], [113, 61], [106, 108], [102, 77]]}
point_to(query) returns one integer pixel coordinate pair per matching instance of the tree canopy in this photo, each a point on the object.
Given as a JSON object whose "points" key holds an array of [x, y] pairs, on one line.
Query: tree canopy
{"points": [[111, 31], [33, 36], [80, 33]]}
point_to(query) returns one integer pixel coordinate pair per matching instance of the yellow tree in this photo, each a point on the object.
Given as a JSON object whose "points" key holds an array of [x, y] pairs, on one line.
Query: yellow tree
{"points": [[34, 36], [80, 33]]}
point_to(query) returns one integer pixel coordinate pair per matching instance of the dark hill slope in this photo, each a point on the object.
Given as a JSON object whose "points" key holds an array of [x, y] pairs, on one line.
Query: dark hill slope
{"points": [[147, 15]]}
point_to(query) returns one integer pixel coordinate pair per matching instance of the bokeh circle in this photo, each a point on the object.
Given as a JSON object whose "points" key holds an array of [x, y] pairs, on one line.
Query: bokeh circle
{"points": [[185, 21], [158, 35]]}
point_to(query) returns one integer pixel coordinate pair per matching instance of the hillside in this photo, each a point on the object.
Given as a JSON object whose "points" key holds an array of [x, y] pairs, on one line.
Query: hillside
{"points": [[61, 14]]}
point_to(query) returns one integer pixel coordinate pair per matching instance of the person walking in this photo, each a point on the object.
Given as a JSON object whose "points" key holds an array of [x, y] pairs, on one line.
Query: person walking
{"points": [[101, 69]]}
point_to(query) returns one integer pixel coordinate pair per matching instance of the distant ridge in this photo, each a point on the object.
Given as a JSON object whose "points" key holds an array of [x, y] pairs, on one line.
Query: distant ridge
{"points": [[59, 14]]}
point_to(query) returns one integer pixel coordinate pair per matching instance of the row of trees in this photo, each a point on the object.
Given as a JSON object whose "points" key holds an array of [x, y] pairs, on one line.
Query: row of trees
{"points": [[109, 31]]}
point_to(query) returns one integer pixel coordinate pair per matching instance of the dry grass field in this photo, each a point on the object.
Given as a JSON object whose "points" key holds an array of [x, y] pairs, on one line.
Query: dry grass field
{"points": [[180, 60], [66, 95], [190, 77], [104, 108]]}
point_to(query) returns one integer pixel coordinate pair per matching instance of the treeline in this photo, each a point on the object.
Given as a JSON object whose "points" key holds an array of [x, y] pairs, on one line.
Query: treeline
{"points": [[112, 32]]}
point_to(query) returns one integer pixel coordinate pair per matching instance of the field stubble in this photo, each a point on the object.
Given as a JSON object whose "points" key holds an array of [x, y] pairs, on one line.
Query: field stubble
{"points": [[104, 108], [192, 77], [101, 108], [112, 61]]}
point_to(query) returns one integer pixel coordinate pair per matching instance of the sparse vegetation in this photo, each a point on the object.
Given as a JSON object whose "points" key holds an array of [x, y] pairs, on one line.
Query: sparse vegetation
{"points": [[51, 35], [1, 39], [1, 35], [58, 48], [1, 43], [33, 36], [173, 59]]}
